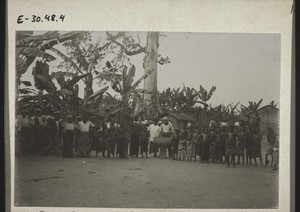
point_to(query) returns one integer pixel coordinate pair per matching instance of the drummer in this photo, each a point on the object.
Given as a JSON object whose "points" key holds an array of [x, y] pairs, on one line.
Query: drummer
{"points": [[167, 130]]}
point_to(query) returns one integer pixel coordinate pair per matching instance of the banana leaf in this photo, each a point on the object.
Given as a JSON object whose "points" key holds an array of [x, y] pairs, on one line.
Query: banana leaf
{"points": [[65, 92], [74, 80], [27, 83], [34, 52], [96, 95]]}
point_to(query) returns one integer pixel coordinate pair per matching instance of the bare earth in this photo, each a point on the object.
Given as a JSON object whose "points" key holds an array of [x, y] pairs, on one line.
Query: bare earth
{"points": [[141, 183]]}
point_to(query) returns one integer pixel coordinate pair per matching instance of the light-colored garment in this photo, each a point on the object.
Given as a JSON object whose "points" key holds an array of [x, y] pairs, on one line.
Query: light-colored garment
{"points": [[108, 125], [84, 127], [182, 148], [23, 122], [44, 119], [154, 131], [68, 126], [167, 128], [32, 120]]}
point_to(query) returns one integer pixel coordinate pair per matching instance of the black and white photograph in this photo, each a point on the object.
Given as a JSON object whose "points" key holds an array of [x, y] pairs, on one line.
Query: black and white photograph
{"points": [[101, 122], [146, 119]]}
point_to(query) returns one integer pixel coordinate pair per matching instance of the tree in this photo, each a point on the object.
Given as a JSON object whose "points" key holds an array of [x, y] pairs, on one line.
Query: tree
{"points": [[123, 84], [251, 108], [129, 47], [83, 56]]}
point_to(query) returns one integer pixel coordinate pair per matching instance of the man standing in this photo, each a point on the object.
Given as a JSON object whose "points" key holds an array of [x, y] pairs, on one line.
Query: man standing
{"points": [[167, 130], [154, 130]]}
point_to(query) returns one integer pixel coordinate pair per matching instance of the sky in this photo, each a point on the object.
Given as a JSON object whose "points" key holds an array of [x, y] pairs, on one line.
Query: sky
{"points": [[243, 67]]}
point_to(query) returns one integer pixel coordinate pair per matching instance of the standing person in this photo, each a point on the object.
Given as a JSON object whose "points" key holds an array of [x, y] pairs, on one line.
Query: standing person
{"points": [[205, 146], [68, 137], [212, 145], [175, 144], [36, 125], [120, 139], [248, 144], [49, 145], [218, 146], [167, 130], [104, 139], [135, 136], [231, 149], [112, 140], [198, 144], [154, 130], [223, 138], [58, 132], [83, 145], [144, 138], [271, 139], [241, 136], [182, 146], [23, 128], [256, 145], [190, 142]]}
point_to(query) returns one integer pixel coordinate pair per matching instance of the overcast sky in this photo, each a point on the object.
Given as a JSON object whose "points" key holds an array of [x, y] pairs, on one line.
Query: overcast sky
{"points": [[243, 67]]}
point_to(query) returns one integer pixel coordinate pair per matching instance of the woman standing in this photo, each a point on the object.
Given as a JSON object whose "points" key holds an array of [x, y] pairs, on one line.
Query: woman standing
{"points": [[68, 137], [83, 138], [135, 136], [231, 149], [256, 146], [190, 143]]}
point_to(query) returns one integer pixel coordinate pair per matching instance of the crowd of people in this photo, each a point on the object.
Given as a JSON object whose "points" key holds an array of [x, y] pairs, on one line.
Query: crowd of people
{"points": [[49, 132]]}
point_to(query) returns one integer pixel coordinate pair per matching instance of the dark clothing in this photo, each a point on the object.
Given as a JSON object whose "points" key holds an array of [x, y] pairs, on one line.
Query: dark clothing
{"points": [[68, 138], [231, 144], [175, 143], [205, 147], [256, 146], [135, 140]]}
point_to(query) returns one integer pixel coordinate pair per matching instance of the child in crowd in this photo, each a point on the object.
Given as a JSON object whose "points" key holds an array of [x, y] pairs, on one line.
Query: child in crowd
{"points": [[182, 146]]}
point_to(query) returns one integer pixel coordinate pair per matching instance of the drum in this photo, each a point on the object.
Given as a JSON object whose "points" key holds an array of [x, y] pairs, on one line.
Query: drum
{"points": [[163, 141]]}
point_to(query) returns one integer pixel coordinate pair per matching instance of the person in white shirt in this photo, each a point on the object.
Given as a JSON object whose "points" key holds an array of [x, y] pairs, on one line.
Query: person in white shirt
{"points": [[83, 137], [167, 130], [154, 131], [68, 137]]}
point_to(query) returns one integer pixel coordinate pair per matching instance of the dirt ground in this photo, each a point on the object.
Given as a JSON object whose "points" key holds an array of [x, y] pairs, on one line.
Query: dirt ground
{"points": [[141, 183]]}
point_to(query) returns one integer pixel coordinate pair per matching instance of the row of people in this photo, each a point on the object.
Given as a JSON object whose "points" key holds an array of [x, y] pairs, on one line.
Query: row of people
{"points": [[50, 133]]}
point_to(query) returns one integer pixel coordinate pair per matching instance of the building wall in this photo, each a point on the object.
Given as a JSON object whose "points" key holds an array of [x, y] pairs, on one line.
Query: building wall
{"points": [[269, 118]]}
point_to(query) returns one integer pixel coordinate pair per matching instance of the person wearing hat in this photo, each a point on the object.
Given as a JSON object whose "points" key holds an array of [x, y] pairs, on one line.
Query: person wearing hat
{"points": [[83, 138], [68, 136], [154, 130]]}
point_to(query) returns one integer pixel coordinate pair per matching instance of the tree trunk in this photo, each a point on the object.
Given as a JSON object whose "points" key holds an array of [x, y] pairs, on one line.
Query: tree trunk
{"points": [[150, 63], [88, 90]]}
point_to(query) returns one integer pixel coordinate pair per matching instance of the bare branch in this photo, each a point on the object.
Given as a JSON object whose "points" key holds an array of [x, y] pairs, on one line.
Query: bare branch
{"points": [[129, 53]]}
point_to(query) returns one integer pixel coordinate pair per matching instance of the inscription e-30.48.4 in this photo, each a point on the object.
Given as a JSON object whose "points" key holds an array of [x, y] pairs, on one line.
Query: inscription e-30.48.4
{"points": [[38, 19]]}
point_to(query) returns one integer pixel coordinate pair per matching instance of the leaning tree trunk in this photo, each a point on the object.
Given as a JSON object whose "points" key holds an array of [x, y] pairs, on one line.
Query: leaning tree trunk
{"points": [[150, 63]]}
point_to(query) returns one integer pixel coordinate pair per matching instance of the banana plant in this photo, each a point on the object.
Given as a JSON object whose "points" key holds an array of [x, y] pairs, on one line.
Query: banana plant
{"points": [[204, 96]]}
